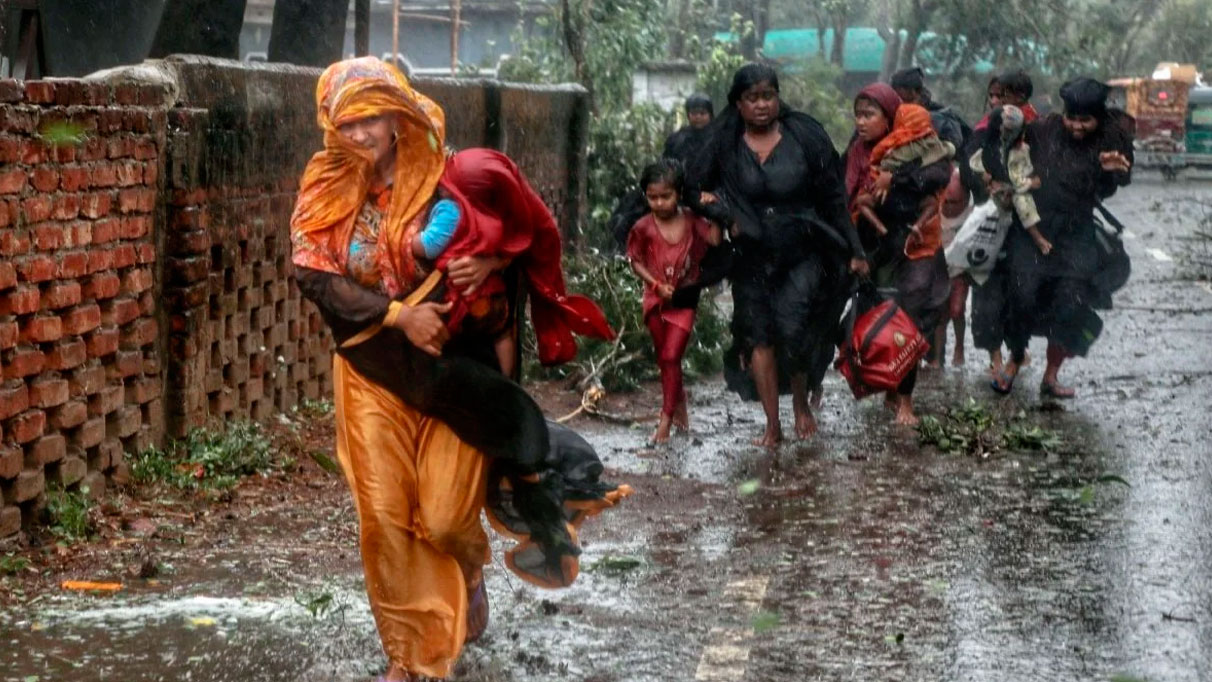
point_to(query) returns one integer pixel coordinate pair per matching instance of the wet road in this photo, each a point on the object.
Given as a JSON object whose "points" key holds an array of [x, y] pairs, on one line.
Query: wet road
{"points": [[859, 556]]}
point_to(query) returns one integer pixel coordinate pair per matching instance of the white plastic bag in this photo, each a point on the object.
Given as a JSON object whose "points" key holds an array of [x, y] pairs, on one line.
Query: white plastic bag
{"points": [[975, 247]]}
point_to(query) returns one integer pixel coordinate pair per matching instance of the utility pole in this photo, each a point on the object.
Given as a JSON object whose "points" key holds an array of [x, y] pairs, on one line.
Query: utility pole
{"points": [[395, 34], [456, 12], [361, 28]]}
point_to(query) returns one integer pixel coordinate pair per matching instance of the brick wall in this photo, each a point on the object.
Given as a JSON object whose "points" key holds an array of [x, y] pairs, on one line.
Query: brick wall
{"points": [[145, 278], [79, 336]]}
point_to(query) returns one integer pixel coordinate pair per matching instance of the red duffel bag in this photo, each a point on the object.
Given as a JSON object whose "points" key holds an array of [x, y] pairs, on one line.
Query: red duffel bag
{"points": [[883, 348]]}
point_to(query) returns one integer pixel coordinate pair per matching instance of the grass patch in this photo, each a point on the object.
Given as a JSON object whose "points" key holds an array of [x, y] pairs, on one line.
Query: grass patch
{"points": [[209, 460], [69, 514], [11, 564]]}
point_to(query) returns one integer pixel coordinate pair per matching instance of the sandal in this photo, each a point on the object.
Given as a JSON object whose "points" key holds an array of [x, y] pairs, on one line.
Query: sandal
{"points": [[1056, 391]]}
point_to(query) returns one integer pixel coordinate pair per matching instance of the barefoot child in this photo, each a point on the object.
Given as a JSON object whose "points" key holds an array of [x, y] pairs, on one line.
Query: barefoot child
{"points": [[491, 316], [665, 248], [1005, 157]]}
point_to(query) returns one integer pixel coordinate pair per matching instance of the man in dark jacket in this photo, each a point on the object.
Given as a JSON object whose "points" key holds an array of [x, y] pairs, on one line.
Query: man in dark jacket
{"points": [[910, 84]]}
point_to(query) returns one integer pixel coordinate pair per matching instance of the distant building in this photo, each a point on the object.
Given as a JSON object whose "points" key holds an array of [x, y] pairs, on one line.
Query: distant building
{"points": [[486, 31]]}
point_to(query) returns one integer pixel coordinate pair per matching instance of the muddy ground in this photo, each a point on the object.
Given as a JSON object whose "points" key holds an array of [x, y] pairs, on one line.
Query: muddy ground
{"points": [[861, 555]]}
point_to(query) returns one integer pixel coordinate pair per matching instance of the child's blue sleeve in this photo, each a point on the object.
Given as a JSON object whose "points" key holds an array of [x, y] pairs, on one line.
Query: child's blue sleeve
{"points": [[443, 220]]}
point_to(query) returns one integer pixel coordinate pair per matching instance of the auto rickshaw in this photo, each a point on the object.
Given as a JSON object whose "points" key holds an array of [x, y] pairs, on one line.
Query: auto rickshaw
{"points": [[1160, 109]]}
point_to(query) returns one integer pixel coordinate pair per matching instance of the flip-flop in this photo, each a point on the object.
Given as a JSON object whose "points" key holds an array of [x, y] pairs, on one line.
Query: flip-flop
{"points": [[1005, 379]]}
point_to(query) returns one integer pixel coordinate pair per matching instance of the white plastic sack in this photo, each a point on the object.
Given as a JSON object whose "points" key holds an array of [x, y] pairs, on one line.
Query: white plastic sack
{"points": [[975, 247]]}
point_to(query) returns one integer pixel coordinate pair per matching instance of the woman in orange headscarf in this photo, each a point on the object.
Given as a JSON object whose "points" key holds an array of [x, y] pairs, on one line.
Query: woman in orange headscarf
{"points": [[903, 240], [428, 437]]}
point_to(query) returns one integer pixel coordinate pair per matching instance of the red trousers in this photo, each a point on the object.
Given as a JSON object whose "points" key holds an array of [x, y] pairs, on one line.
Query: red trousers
{"points": [[670, 341]]}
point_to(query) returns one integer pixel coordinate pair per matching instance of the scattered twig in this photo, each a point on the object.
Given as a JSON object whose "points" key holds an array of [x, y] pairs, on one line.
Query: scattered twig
{"points": [[1180, 619]]}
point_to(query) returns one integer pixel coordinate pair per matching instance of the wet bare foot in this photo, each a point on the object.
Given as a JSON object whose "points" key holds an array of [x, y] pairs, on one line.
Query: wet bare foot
{"points": [[477, 613], [933, 365], [957, 359], [1026, 359], [681, 418], [904, 412], [890, 401], [817, 397], [805, 425], [771, 438], [662, 432]]}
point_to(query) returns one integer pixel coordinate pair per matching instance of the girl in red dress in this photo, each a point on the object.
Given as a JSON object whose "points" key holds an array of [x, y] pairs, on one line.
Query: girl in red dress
{"points": [[665, 248]]}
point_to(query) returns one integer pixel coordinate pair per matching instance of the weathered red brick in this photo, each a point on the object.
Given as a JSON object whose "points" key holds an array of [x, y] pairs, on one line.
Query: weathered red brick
{"points": [[81, 319], [95, 204], [42, 329], [65, 207], [104, 175], [8, 212], [127, 363], [61, 295], [28, 485], [11, 460], [14, 242], [103, 342], [34, 269], [124, 422], [142, 390], [72, 265], [47, 449], [106, 400], [67, 354], [68, 415], [74, 179], [101, 285], [151, 173], [148, 304], [69, 471], [119, 311], [106, 230], [145, 253], [129, 173], [45, 179], [69, 92], [14, 398], [22, 362], [11, 90], [86, 380], [22, 300], [36, 209], [13, 181], [63, 153], [120, 147], [100, 259], [141, 332], [47, 236], [124, 255], [27, 426], [39, 92], [93, 149], [48, 391], [136, 227], [145, 149], [8, 275], [90, 433], [19, 120], [10, 149], [10, 332], [78, 233]]}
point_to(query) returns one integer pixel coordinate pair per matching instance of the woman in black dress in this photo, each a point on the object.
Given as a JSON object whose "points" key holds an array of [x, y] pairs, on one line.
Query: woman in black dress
{"points": [[772, 178], [1080, 157]]}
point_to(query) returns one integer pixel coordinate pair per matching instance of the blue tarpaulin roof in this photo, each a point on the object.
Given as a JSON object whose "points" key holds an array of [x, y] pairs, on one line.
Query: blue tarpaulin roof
{"points": [[863, 51]]}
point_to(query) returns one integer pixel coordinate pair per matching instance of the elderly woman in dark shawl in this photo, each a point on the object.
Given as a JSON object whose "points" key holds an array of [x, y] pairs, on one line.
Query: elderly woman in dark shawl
{"points": [[1081, 157], [771, 176]]}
